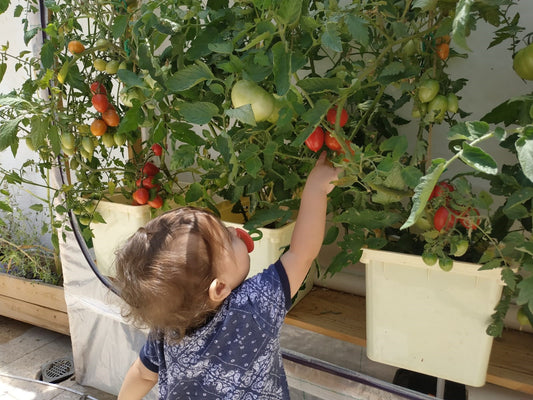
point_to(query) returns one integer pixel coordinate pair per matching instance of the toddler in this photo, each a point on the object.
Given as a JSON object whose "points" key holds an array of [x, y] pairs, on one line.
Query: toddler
{"points": [[213, 334]]}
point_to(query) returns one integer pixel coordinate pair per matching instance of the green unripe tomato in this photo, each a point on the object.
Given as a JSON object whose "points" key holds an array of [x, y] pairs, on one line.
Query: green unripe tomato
{"points": [[247, 92], [68, 140], [108, 139], [461, 249], [446, 264], [523, 63], [112, 67], [522, 318], [453, 103], [87, 145], [429, 259], [99, 64], [428, 90], [119, 138], [437, 109], [104, 43], [29, 144]]}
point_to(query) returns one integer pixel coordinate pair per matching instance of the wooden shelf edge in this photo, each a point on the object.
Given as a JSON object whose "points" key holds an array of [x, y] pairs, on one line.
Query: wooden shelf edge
{"points": [[332, 313]]}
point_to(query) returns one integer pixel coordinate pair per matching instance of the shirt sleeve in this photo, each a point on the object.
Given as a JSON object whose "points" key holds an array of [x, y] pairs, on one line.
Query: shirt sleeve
{"points": [[266, 296], [149, 355]]}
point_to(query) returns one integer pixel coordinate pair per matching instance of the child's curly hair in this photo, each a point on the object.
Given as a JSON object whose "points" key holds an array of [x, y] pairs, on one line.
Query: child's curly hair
{"points": [[165, 269]]}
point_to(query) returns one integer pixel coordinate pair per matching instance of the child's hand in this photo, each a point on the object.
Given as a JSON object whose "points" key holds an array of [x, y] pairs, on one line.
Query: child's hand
{"points": [[323, 174]]}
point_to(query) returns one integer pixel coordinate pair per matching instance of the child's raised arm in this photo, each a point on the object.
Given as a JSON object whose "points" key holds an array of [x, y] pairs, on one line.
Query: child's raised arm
{"points": [[310, 224]]}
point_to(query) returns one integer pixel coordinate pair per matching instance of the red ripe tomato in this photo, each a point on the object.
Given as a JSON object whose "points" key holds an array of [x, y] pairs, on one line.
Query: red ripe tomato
{"points": [[100, 102], [315, 141], [98, 88], [441, 189], [141, 196], [148, 183], [467, 218], [111, 117], [332, 116], [246, 238], [443, 219], [157, 202], [150, 169], [331, 142], [157, 149]]}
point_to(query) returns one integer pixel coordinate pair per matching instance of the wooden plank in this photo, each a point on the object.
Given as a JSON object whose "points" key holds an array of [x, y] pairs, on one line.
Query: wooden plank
{"points": [[35, 314], [332, 313], [511, 361], [343, 316], [42, 294]]}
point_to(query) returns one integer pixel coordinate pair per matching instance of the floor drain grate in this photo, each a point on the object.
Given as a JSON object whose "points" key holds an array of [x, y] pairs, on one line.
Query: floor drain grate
{"points": [[58, 370]]}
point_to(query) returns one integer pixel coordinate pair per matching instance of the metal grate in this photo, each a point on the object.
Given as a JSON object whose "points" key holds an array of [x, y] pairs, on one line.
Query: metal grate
{"points": [[57, 370]]}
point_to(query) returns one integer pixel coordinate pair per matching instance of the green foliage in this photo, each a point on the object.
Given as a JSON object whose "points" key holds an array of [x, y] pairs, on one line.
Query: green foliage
{"points": [[179, 61]]}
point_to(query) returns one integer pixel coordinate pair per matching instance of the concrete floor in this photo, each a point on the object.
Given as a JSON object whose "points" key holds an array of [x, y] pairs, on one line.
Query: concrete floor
{"points": [[25, 348]]}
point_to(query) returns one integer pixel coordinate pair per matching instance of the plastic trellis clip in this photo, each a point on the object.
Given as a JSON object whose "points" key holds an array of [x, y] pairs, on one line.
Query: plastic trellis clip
{"points": [[255, 234]]}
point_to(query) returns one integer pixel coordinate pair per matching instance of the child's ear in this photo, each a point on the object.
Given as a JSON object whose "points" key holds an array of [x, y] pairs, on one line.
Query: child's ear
{"points": [[218, 291]]}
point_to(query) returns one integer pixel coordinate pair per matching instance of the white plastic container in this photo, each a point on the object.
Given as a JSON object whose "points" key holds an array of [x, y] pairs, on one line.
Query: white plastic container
{"points": [[122, 220], [427, 320]]}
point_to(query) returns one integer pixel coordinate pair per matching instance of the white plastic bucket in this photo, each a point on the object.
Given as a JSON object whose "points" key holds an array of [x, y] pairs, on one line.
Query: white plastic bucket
{"points": [[122, 221], [427, 320]]}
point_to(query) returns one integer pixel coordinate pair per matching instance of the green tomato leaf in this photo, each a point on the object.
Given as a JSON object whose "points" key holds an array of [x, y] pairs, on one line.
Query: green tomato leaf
{"points": [[8, 132], [183, 157], [525, 296], [320, 85], [425, 5], [194, 193], [397, 145], [198, 112], [370, 219], [514, 206], [290, 11], [423, 191], [468, 130], [282, 67], [189, 77], [331, 38], [358, 28], [47, 54], [462, 23], [130, 78], [120, 24], [244, 114], [524, 149], [313, 118], [4, 4], [478, 159]]}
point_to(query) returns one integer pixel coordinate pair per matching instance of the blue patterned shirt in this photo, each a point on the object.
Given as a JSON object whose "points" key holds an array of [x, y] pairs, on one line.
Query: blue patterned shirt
{"points": [[236, 355]]}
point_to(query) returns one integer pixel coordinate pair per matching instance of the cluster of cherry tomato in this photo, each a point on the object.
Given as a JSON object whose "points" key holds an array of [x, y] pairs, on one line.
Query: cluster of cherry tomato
{"points": [[446, 217], [147, 183], [318, 138], [100, 102]]}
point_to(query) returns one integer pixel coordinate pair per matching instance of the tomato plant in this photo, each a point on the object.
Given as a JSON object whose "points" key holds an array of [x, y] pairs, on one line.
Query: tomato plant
{"points": [[111, 117], [523, 63], [100, 102], [76, 47], [443, 219], [247, 92], [141, 196], [315, 141], [443, 51], [98, 127], [427, 90], [331, 142], [156, 202], [246, 238], [332, 116], [157, 149], [150, 169]]}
